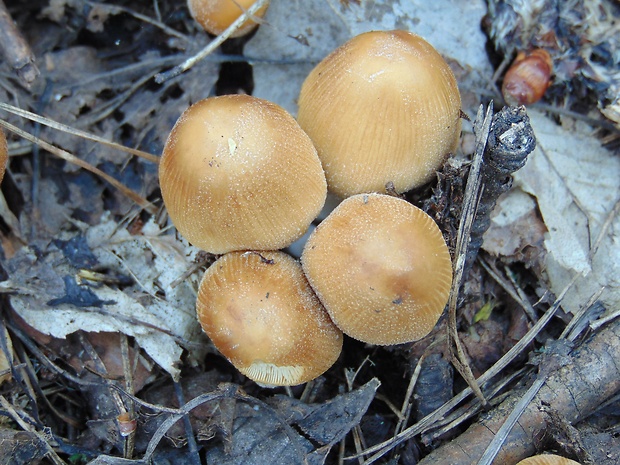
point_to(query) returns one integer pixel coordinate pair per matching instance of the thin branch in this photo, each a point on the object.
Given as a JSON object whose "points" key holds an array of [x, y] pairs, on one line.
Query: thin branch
{"points": [[215, 43]]}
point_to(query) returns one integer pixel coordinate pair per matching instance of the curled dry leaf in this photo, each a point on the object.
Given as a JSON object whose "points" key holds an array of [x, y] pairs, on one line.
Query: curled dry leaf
{"points": [[575, 183], [159, 316]]}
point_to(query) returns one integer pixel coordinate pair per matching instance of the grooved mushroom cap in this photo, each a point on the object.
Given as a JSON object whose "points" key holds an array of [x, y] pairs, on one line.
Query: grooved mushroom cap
{"points": [[238, 173], [216, 15], [547, 459], [4, 155], [381, 268], [262, 315], [384, 107]]}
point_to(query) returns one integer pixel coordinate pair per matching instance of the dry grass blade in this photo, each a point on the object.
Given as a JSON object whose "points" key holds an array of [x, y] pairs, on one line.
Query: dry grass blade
{"points": [[502, 434], [511, 289], [470, 202], [467, 411], [575, 383], [76, 132], [215, 43], [405, 410], [148, 206]]}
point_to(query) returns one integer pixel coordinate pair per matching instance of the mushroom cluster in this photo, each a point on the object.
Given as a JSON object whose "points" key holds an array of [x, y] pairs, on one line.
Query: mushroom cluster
{"points": [[240, 177], [230, 176]]}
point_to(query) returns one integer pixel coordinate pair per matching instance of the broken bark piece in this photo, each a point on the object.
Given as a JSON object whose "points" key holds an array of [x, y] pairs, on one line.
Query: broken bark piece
{"points": [[575, 389], [511, 139], [15, 48]]}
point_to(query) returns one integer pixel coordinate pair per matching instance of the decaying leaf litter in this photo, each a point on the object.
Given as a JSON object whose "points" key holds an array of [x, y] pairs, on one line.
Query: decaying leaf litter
{"points": [[98, 299]]}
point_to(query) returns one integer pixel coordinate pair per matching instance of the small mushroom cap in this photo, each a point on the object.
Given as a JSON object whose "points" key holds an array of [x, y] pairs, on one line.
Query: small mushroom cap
{"points": [[262, 315], [383, 107], [4, 155], [547, 459], [215, 16], [381, 268], [238, 173]]}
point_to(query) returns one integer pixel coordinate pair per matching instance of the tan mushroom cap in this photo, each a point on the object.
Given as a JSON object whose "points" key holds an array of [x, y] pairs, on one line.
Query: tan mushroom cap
{"points": [[261, 314], [384, 107], [547, 459], [215, 16], [381, 268], [238, 173], [4, 155]]}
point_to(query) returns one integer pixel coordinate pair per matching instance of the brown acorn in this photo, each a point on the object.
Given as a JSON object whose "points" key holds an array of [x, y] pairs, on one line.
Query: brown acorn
{"points": [[528, 78]]}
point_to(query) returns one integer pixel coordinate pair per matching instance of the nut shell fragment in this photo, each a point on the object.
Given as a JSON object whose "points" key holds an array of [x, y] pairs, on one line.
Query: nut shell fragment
{"points": [[384, 107], [262, 315], [381, 268], [238, 173]]}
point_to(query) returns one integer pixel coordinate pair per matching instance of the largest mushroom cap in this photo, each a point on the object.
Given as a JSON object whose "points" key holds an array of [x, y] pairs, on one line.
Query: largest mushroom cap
{"points": [[381, 268], [384, 107], [260, 312], [238, 173]]}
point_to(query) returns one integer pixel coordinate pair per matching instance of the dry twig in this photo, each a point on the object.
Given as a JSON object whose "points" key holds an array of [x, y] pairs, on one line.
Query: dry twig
{"points": [[215, 43], [82, 164], [590, 374]]}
